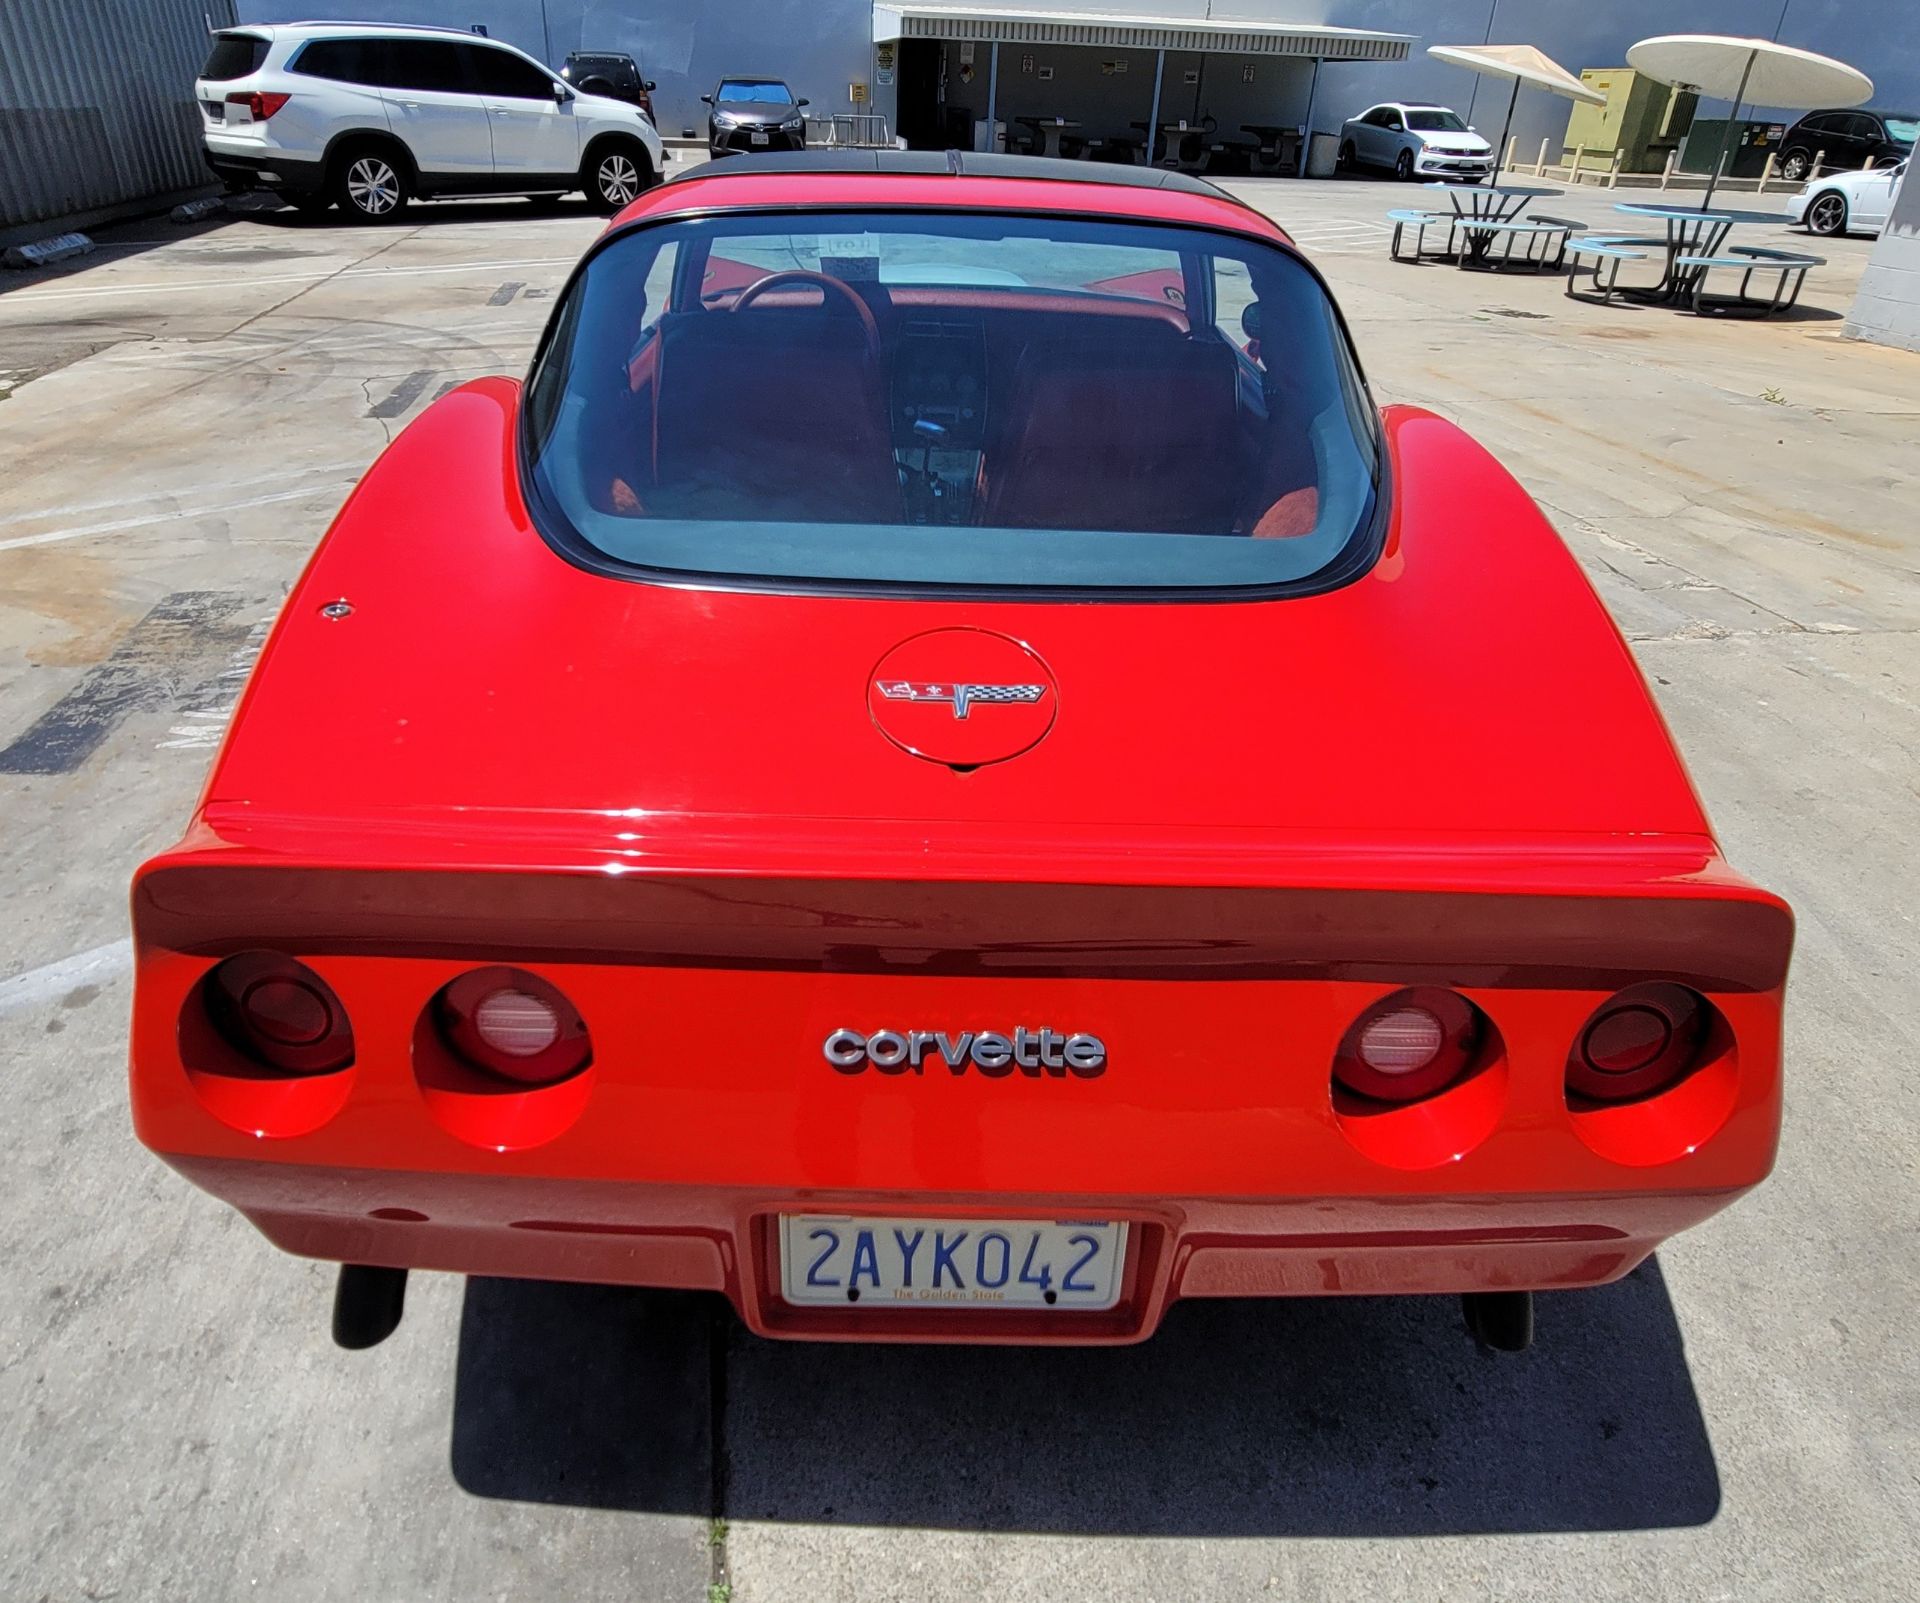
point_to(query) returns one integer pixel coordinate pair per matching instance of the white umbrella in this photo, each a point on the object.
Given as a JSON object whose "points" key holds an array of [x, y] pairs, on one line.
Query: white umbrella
{"points": [[1524, 65], [1743, 70]]}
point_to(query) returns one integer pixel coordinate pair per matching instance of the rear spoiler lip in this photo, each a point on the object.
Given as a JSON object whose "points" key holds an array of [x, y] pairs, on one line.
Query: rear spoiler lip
{"points": [[616, 841], [1714, 932]]}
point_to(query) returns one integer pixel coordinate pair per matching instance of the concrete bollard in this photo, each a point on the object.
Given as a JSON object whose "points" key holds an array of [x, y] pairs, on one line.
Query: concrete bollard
{"points": [[1540, 162], [1819, 164], [1579, 155], [1666, 172], [1613, 172], [1766, 174]]}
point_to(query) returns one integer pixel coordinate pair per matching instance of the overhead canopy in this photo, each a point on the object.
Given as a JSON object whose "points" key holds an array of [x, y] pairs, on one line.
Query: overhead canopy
{"points": [[1522, 63], [1756, 71], [998, 25]]}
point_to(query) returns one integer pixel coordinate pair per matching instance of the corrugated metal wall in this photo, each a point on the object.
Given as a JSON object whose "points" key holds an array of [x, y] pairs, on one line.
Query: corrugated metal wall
{"points": [[96, 102]]}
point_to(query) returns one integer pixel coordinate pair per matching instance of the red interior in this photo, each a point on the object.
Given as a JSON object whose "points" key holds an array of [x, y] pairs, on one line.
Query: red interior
{"points": [[1103, 411]]}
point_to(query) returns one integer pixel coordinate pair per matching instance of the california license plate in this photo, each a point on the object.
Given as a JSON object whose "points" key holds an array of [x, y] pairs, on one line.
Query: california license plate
{"points": [[838, 1260]]}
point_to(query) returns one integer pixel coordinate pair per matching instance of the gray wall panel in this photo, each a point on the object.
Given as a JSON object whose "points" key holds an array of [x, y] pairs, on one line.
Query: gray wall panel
{"points": [[96, 103]]}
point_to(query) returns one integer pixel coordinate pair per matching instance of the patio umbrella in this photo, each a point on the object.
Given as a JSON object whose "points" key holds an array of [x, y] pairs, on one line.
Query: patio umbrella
{"points": [[1524, 65], [1748, 70]]}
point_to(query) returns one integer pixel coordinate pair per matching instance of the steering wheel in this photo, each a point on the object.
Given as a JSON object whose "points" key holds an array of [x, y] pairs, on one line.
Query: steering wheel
{"points": [[823, 282]]}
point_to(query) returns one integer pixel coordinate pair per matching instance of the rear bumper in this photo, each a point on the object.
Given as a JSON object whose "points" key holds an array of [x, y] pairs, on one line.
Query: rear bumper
{"points": [[288, 175], [711, 1104], [724, 1239]]}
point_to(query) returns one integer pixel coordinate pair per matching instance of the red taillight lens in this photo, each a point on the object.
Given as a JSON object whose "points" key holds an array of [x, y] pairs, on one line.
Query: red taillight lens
{"points": [[513, 1024], [277, 1012], [260, 104], [1639, 1041], [1408, 1045]]}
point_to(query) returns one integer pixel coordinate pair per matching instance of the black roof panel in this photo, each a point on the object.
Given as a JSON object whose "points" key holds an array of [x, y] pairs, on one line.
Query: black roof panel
{"points": [[959, 163]]}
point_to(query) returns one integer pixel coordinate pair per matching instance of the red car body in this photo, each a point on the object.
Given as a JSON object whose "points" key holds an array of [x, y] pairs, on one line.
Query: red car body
{"points": [[1240, 825]]}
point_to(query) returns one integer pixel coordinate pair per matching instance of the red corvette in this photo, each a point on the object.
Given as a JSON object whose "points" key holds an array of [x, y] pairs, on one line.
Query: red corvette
{"points": [[940, 769]]}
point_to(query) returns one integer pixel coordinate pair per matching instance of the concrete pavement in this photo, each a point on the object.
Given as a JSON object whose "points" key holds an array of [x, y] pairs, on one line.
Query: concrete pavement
{"points": [[1737, 1420]]}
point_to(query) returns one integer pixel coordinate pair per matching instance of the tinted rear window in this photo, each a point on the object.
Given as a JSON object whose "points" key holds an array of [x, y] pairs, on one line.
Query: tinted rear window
{"points": [[234, 55], [951, 399], [339, 60]]}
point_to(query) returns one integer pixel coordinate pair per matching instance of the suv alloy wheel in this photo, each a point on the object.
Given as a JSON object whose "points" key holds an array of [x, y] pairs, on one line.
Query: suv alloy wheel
{"points": [[371, 189], [617, 177]]}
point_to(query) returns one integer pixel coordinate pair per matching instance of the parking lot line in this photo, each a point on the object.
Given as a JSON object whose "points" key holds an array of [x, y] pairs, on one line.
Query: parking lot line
{"points": [[34, 296], [115, 525], [64, 974]]}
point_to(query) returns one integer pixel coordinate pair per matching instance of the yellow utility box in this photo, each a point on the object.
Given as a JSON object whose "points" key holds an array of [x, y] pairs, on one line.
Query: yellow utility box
{"points": [[1643, 118]]}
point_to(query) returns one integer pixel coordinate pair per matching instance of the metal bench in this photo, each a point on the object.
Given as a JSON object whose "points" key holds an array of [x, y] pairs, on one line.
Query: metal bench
{"points": [[1789, 268], [1601, 257], [1420, 222], [1543, 242]]}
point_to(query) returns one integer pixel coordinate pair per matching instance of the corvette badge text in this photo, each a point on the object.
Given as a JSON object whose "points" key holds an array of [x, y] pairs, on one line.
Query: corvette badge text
{"points": [[962, 698], [1030, 1052]]}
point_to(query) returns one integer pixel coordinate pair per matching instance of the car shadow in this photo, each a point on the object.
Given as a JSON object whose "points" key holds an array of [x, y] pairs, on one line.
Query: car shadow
{"points": [[1338, 1417], [426, 214]]}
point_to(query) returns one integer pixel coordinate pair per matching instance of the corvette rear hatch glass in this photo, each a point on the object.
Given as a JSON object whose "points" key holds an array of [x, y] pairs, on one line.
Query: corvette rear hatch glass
{"points": [[952, 399]]}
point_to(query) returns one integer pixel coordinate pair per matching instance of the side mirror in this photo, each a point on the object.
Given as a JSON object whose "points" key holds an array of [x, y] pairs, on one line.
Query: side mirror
{"points": [[805, 102], [1250, 320], [561, 93], [648, 85], [706, 100]]}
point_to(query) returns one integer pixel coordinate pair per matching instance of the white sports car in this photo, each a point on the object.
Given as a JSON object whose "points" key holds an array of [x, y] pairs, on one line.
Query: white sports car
{"points": [[1848, 203]]}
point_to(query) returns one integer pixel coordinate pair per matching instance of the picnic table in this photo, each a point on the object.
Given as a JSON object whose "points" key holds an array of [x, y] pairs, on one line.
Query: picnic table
{"points": [[1279, 148], [1788, 267], [1048, 130], [1482, 200], [1177, 134], [1548, 235], [1690, 232]]}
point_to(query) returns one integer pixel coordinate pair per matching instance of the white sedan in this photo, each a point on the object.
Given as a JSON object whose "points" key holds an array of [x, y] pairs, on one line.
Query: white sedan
{"points": [[1415, 139], [1848, 202]]}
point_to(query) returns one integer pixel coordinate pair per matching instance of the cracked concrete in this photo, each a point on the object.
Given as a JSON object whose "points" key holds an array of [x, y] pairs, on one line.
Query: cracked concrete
{"points": [[1738, 1419]]}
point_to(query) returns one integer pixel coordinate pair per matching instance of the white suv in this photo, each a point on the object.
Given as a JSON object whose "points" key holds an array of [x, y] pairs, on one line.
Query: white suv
{"points": [[370, 117]]}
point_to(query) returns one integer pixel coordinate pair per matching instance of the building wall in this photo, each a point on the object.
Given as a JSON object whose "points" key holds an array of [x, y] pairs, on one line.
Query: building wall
{"points": [[96, 106], [1886, 308]]}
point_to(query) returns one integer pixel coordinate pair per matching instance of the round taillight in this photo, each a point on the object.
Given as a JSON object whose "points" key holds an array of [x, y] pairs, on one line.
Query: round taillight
{"points": [[1638, 1041], [1408, 1045], [517, 1023], [514, 1025], [1401, 1042], [276, 1012]]}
